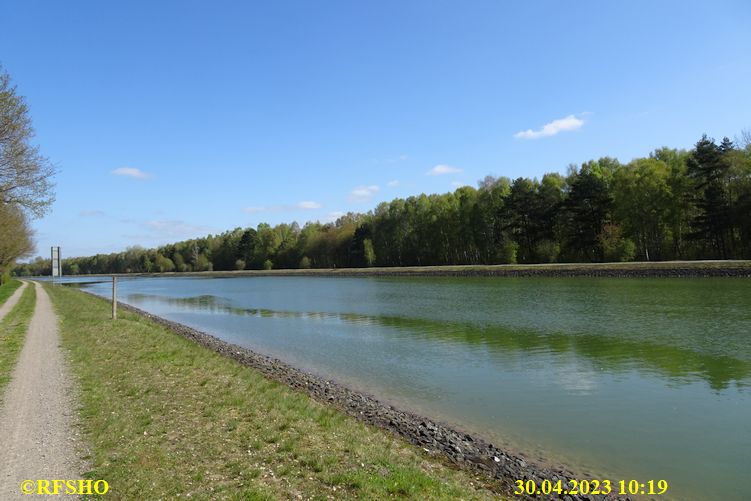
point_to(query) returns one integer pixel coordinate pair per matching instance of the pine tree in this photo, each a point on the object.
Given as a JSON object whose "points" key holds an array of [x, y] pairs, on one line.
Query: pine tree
{"points": [[707, 168]]}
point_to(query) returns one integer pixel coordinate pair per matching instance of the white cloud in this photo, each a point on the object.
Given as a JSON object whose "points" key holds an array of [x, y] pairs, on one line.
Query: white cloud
{"points": [[91, 213], [175, 228], [333, 216], [390, 160], [441, 169], [130, 172], [393, 183], [568, 123], [309, 205], [363, 193]]}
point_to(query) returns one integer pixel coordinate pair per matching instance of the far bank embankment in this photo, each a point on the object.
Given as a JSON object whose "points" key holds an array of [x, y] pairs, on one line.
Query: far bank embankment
{"points": [[662, 269]]}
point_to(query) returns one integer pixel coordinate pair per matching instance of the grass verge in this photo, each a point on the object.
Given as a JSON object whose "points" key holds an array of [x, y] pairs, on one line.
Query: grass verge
{"points": [[166, 418], [7, 290], [13, 330]]}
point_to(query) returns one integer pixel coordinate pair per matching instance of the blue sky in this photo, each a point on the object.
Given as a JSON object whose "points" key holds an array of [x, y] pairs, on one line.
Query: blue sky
{"points": [[171, 120]]}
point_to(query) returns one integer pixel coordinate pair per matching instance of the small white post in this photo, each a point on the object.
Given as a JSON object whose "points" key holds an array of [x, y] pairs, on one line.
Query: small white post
{"points": [[114, 298]]}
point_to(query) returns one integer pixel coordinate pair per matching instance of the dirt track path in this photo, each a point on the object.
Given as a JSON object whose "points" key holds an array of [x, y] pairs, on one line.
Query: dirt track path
{"points": [[38, 440], [12, 300]]}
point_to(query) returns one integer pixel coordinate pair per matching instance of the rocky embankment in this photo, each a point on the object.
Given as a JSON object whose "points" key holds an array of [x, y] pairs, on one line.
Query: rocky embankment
{"points": [[615, 270], [463, 449]]}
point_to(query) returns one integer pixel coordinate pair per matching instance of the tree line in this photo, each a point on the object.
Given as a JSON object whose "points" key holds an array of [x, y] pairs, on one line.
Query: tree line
{"points": [[672, 204], [25, 177]]}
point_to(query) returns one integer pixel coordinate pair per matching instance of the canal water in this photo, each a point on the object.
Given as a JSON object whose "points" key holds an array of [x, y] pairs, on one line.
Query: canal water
{"points": [[643, 379]]}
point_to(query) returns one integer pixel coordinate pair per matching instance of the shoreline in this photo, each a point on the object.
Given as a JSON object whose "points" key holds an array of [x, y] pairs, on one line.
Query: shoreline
{"points": [[464, 450], [638, 269]]}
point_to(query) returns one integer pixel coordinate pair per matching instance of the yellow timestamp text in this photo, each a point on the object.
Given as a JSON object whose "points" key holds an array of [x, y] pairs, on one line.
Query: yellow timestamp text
{"points": [[585, 487]]}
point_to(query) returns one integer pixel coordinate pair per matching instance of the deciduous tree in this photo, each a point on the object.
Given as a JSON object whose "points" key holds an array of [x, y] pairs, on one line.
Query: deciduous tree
{"points": [[25, 174]]}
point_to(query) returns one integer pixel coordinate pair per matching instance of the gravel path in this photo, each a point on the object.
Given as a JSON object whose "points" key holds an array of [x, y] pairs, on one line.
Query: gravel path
{"points": [[12, 300], [38, 440]]}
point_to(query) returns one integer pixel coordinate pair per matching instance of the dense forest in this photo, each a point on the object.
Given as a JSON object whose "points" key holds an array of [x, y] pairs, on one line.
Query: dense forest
{"points": [[673, 204]]}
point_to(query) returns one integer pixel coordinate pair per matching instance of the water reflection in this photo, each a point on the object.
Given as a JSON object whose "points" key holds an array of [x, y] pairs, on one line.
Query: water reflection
{"points": [[603, 352]]}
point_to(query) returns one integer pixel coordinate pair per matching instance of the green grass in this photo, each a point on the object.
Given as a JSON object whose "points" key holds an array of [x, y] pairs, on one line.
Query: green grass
{"points": [[13, 332], [7, 290], [165, 417]]}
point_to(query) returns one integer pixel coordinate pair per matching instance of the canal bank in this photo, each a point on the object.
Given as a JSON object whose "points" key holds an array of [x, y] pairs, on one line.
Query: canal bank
{"points": [[602, 375], [167, 418], [465, 450], [642, 269]]}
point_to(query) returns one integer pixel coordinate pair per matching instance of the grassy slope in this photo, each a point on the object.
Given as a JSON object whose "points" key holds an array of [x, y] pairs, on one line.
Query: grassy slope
{"points": [[165, 417], [7, 290], [743, 266], [636, 265], [13, 332]]}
